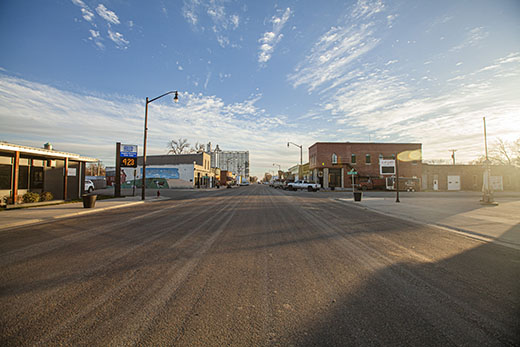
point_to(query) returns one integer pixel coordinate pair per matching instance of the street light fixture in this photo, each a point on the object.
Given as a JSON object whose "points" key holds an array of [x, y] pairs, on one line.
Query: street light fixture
{"points": [[175, 99], [300, 169]]}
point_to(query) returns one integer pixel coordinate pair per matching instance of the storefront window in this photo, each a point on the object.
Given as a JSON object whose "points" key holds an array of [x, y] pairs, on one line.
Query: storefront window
{"points": [[36, 177], [5, 176], [23, 177]]}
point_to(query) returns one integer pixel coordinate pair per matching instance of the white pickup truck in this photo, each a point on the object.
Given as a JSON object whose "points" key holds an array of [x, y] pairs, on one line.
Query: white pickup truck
{"points": [[311, 187]]}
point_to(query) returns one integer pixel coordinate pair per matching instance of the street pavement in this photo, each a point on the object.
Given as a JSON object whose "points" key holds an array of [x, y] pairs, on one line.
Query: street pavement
{"points": [[456, 211], [253, 266]]}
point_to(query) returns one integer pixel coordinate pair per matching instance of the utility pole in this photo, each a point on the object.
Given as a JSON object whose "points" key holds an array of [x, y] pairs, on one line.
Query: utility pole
{"points": [[487, 196], [453, 155]]}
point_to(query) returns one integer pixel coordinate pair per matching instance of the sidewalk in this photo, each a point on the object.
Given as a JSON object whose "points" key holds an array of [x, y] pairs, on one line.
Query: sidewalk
{"points": [[25, 216], [459, 214]]}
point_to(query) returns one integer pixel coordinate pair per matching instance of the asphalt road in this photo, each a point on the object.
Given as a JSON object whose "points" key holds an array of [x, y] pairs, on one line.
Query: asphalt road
{"points": [[253, 266]]}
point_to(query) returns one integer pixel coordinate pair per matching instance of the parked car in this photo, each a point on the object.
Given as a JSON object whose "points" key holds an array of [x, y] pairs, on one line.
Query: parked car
{"points": [[311, 187], [89, 186]]}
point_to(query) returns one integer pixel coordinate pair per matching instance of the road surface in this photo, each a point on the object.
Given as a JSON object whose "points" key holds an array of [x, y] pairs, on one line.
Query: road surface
{"points": [[253, 266]]}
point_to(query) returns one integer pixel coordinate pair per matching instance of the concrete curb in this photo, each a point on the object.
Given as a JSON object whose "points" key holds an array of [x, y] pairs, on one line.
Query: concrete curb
{"points": [[460, 231], [79, 213]]}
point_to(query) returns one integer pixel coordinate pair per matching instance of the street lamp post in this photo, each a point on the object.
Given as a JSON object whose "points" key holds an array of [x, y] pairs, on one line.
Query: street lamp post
{"points": [[301, 158], [176, 99]]}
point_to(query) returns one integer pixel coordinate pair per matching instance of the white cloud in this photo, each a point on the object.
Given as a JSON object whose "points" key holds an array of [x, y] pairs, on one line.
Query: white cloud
{"points": [[87, 14], [94, 34], [389, 107], [79, 3], [33, 113], [473, 38], [106, 14], [366, 8], [270, 39], [331, 57], [110, 17], [235, 20], [118, 39], [212, 14]]}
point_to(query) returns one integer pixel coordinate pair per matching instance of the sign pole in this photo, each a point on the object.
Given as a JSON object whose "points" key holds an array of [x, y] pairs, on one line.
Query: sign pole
{"points": [[397, 177], [117, 187], [133, 190]]}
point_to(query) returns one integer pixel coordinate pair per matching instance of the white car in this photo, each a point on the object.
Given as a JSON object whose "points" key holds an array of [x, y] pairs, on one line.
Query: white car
{"points": [[89, 186], [311, 187]]}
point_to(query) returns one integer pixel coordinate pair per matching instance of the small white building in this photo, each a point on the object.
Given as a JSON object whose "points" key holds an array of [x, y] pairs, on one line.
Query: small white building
{"points": [[173, 171]]}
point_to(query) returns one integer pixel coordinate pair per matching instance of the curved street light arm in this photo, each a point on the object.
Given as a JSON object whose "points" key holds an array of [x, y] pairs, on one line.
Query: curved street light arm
{"points": [[176, 98]]}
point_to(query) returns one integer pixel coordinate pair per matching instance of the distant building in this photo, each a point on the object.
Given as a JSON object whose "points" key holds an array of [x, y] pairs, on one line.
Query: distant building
{"points": [[235, 161], [330, 162], [28, 169]]}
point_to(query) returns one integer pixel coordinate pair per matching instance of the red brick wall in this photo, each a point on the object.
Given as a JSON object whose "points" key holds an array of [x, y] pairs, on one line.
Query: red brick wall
{"points": [[320, 156]]}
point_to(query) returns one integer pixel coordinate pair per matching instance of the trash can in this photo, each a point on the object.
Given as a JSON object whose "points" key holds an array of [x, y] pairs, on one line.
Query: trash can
{"points": [[357, 196], [89, 201]]}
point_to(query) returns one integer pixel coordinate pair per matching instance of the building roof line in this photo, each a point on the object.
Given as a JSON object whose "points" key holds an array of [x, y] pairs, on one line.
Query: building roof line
{"points": [[10, 147]]}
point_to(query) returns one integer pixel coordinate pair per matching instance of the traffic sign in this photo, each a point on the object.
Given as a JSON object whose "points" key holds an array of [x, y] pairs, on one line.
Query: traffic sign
{"points": [[352, 172]]}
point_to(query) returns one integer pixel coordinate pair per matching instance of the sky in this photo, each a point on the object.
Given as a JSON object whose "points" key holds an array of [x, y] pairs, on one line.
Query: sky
{"points": [[253, 75]]}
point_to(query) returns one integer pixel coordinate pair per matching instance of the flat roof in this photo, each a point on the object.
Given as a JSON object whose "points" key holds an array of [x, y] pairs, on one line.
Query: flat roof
{"points": [[367, 143], [10, 147], [370, 143]]}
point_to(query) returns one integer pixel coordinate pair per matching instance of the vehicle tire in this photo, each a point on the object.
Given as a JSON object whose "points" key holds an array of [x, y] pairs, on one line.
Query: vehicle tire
{"points": [[90, 189], [309, 189]]}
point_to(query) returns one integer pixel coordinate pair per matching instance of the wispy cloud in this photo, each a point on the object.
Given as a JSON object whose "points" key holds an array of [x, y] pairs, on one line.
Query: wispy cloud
{"points": [[473, 38], [212, 15], [360, 93], [110, 18], [87, 14], [270, 39], [106, 14], [96, 38], [118, 39], [333, 55], [389, 107]]}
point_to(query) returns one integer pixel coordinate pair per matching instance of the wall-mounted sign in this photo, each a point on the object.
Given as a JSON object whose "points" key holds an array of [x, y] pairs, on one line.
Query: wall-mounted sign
{"points": [[128, 156], [387, 166], [71, 171]]}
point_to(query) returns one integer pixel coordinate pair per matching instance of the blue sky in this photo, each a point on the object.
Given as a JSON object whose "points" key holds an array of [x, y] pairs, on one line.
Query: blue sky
{"points": [[253, 75]]}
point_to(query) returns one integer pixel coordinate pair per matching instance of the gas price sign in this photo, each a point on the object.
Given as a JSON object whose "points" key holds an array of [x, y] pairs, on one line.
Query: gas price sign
{"points": [[128, 156]]}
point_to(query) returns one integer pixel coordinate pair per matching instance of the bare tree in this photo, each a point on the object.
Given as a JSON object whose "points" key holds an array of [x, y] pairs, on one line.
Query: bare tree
{"points": [[95, 169], [179, 146], [197, 148], [502, 153]]}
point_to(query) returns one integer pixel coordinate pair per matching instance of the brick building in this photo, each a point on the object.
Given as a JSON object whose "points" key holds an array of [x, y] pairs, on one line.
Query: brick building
{"points": [[330, 162]]}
